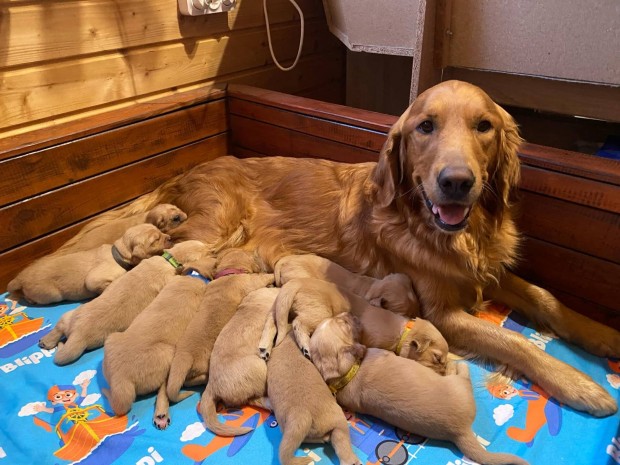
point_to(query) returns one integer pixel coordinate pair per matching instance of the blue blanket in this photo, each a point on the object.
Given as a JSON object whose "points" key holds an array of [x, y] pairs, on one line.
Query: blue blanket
{"points": [[58, 415]]}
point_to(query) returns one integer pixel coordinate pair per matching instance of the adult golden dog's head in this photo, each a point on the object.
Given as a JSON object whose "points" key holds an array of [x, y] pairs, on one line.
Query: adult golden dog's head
{"points": [[453, 150]]}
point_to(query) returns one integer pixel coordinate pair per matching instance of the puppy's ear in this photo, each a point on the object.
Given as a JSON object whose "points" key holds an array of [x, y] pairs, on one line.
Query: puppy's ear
{"points": [[420, 344], [357, 351], [388, 173], [506, 171]]}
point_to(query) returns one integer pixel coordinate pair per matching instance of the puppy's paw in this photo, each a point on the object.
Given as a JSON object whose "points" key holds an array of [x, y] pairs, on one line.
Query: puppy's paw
{"points": [[47, 343], [264, 353], [161, 421], [306, 352]]}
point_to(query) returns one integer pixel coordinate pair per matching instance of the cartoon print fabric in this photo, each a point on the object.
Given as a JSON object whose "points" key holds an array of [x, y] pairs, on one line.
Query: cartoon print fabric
{"points": [[58, 415]]}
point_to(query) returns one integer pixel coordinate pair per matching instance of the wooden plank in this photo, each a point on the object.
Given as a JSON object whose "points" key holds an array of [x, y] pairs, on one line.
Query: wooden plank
{"points": [[578, 190], [53, 210], [276, 141], [584, 229], [363, 138], [74, 28], [565, 97], [553, 266], [83, 126], [329, 111], [59, 165], [48, 90]]}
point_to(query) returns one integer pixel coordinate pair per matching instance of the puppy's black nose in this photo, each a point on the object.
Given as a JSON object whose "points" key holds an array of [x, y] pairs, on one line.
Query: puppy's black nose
{"points": [[456, 181]]}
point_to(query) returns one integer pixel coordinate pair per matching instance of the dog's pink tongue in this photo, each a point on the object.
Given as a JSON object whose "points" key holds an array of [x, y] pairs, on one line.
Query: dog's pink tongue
{"points": [[452, 214]]}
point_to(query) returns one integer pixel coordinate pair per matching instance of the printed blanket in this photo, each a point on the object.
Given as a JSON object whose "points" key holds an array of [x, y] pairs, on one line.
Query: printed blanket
{"points": [[39, 428]]}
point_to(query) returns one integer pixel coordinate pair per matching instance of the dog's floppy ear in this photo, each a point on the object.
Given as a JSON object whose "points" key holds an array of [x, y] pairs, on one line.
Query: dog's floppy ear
{"points": [[388, 173], [506, 171]]}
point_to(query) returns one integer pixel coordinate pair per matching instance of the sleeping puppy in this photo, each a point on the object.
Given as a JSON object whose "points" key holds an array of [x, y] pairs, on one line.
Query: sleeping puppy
{"points": [[137, 360], [82, 275], [304, 407], [312, 300], [236, 276], [88, 326], [394, 292], [399, 391], [164, 216], [236, 375]]}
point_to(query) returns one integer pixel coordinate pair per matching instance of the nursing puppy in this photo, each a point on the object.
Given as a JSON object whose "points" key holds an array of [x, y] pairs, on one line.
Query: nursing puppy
{"points": [[399, 391], [236, 276], [236, 375], [82, 275], [304, 407], [164, 216], [394, 292], [312, 300], [137, 361], [88, 326]]}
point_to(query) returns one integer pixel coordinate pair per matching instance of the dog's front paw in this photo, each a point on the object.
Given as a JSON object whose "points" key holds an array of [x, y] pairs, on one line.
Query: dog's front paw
{"points": [[161, 421], [605, 344], [264, 353], [306, 352]]}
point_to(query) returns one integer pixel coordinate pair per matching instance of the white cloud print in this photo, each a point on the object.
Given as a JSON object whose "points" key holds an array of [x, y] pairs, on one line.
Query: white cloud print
{"points": [[88, 374], [192, 431], [90, 399], [503, 413], [30, 409]]}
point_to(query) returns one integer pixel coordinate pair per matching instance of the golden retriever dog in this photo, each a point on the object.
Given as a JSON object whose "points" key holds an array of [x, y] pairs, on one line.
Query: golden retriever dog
{"points": [[436, 206], [237, 376], [394, 292], [83, 275], [304, 407], [310, 301], [137, 360], [89, 325], [239, 271], [164, 216], [399, 391]]}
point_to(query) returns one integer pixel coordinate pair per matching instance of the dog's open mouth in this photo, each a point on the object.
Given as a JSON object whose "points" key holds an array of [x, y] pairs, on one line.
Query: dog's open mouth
{"points": [[449, 217]]}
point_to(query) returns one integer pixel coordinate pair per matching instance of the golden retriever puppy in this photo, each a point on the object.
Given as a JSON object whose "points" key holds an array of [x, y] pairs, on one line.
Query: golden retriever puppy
{"points": [[399, 391], [87, 326], [236, 375], [304, 407], [394, 292], [82, 275], [237, 275], [312, 300], [164, 216], [137, 360]]}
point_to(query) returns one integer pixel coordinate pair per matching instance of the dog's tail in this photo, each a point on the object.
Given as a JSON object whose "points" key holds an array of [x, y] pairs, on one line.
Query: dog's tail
{"points": [[121, 397], [293, 435], [179, 368], [282, 307], [209, 416], [469, 446]]}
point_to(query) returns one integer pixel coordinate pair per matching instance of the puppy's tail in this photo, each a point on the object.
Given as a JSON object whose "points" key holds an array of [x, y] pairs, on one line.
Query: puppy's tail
{"points": [[209, 416], [282, 307], [121, 397], [179, 368], [294, 434], [469, 445]]}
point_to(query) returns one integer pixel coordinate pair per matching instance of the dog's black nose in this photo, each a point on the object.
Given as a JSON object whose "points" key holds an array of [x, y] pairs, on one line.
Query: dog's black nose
{"points": [[455, 181]]}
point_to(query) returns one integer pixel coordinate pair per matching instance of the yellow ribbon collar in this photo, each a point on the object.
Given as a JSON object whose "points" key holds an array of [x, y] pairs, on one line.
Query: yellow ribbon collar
{"points": [[341, 382], [406, 329]]}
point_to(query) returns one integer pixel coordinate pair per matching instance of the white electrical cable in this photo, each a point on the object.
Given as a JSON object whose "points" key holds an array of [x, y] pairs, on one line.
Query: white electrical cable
{"points": [[301, 36]]}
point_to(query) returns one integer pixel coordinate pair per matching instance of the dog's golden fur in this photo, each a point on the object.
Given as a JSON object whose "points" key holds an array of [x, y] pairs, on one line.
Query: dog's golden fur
{"points": [[400, 391], [89, 325], [373, 218], [394, 292], [304, 407], [85, 274]]}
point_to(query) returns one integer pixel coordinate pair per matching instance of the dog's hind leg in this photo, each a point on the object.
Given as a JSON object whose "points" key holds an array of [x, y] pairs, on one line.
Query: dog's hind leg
{"points": [[121, 397], [261, 402], [161, 417], [51, 339], [294, 434], [179, 368], [302, 337], [266, 341], [69, 351], [341, 441]]}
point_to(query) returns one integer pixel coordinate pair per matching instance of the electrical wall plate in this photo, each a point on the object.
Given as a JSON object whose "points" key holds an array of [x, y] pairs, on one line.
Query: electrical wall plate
{"points": [[205, 7]]}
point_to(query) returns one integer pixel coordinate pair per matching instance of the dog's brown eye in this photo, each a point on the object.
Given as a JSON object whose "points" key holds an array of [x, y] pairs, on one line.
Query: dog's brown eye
{"points": [[426, 127], [484, 126]]}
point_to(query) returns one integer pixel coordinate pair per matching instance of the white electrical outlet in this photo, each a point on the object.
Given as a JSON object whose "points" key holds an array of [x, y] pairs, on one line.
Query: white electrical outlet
{"points": [[205, 7]]}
